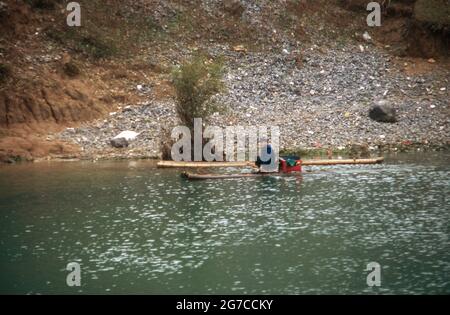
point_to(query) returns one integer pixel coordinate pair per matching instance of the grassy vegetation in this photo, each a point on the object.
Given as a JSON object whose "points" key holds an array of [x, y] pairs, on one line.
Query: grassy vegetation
{"points": [[44, 4], [435, 13], [91, 43], [96, 47], [195, 82], [151, 30], [103, 33], [147, 29], [114, 30], [72, 69], [290, 16]]}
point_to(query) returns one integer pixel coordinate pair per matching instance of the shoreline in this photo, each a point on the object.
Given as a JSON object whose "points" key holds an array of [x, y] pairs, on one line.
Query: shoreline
{"points": [[322, 104], [310, 153]]}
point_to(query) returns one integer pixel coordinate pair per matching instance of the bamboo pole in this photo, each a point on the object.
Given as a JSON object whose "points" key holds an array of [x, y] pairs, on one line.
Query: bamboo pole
{"points": [[343, 162], [241, 175], [173, 164]]}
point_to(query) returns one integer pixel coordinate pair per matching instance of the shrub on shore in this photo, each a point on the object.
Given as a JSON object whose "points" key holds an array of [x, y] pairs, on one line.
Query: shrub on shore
{"points": [[196, 82]]}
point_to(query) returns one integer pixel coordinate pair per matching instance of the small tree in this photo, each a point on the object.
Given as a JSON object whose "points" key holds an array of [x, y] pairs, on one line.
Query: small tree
{"points": [[195, 83]]}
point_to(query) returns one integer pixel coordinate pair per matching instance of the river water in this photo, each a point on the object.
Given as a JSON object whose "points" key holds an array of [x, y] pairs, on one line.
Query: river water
{"points": [[137, 229]]}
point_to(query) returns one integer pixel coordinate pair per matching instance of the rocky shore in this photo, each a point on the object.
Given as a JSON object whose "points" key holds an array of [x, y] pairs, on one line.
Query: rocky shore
{"points": [[313, 68], [319, 97]]}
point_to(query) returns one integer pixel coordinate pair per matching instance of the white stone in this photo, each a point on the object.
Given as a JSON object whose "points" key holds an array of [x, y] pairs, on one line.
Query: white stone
{"points": [[367, 37], [128, 135]]}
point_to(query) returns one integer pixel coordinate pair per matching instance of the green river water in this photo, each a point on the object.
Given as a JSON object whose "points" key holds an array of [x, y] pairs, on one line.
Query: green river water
{"points": [[137, 229]]}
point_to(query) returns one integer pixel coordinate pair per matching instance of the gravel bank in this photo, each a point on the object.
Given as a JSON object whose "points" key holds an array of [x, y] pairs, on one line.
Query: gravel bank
{"points": [[322, 103]]}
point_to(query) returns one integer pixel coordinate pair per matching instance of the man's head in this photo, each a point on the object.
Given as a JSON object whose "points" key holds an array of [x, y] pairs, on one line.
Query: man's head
{"points": [[263, 141]]}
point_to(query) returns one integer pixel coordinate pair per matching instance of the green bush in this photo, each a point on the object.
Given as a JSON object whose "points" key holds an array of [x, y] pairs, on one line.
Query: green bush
{"points": [[96, 47], [196, 82], [71, 69]]}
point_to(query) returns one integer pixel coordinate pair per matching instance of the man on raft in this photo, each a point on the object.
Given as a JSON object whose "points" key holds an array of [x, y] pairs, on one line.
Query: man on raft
{"points": [[267, 161]]}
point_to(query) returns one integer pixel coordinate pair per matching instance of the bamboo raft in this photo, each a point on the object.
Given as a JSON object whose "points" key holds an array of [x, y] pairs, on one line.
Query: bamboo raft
{"points": [[173, 164], [240, 175], [377, 160]]}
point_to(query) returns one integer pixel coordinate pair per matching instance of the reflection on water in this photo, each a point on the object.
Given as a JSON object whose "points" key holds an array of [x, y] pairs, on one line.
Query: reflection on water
{"points": [[136, 229]]}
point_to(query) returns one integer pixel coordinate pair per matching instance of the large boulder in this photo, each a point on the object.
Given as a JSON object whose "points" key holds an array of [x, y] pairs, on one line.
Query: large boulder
{"points": [[123, 139], [119, 143], [381, 111]]}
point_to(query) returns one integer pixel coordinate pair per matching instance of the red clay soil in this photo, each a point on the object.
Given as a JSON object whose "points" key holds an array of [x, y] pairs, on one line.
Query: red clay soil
{"points": [[37, 93]]}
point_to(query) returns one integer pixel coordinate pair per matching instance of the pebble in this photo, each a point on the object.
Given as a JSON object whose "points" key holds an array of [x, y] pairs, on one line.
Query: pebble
{"points": [[367, 37]]}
